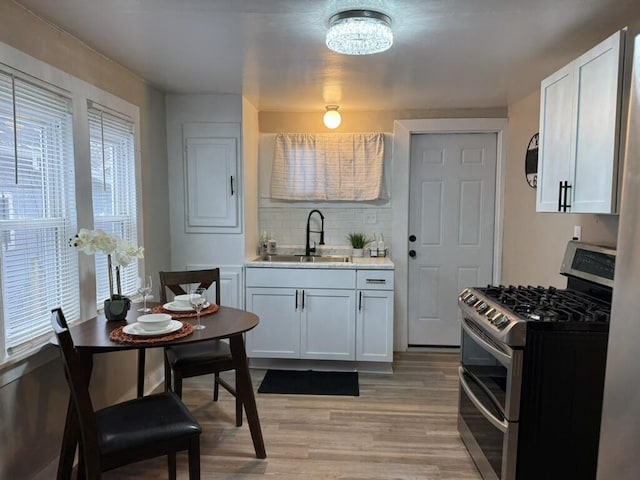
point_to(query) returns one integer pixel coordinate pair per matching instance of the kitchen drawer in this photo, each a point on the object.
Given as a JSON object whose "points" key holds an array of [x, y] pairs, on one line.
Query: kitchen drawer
{"points": [[301, 278], [374, 280]]}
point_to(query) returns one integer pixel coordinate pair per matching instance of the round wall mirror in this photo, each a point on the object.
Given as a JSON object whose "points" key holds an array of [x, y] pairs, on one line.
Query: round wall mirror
{"points": [[531, 162]]}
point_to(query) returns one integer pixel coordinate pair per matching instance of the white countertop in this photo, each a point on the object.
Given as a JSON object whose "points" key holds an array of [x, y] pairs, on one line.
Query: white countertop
{"points": [[356, 263]]}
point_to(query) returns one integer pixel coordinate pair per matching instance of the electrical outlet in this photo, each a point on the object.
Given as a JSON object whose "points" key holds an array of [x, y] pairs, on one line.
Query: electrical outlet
{"points": [[371, 217], [577, 232]]}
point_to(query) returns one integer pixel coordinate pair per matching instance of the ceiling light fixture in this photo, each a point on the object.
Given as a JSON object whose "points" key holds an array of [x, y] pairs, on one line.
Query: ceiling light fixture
{"points": [[359, 32], [332, 117]]}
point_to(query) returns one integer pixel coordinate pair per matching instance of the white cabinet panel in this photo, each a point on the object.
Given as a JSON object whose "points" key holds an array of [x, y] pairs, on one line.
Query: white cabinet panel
{"points": [[580, 108], [328, 324], [374, 316], [374, 280], [598, 110], [374, 326], [230, 283], [556, 113], [211, 153], [278, 333]]}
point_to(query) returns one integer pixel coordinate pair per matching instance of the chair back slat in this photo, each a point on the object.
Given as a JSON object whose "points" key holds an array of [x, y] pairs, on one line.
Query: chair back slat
{"points": [[174, 281], [79, 386]]}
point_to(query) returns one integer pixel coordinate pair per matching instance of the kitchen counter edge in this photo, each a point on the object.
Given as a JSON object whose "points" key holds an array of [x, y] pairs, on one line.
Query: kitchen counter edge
{"points": [[357, 263]]}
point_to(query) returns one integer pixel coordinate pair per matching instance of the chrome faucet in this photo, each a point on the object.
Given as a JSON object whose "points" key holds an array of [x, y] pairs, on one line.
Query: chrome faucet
{"points": [[308, 249]]}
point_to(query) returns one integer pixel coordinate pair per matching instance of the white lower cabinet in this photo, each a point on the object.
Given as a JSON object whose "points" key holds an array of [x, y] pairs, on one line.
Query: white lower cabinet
{"points": [[327, 326], [304, 313], [320, 314], [278, 333], [374, 319], [302, 323]]}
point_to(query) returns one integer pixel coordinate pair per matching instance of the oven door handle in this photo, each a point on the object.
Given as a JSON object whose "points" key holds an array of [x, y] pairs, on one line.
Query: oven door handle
{"points": [[500, 425], [505, 359]]}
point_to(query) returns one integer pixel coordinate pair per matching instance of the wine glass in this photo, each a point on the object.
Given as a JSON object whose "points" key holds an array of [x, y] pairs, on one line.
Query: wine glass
{"points": [[198, 299], [144, 289]]}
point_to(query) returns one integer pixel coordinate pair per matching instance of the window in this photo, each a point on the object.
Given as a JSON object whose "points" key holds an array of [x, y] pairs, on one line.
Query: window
{"points": [[113, 180], [345, 167], [37, 209]]}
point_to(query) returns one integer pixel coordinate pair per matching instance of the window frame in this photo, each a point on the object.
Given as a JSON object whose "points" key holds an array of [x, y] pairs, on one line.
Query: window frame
{"points": [[81, 93], [43, 191], [128, 220]]}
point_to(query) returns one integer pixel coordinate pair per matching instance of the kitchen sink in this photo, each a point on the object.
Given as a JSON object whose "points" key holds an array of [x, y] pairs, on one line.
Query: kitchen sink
{"points": [[306, 258]]}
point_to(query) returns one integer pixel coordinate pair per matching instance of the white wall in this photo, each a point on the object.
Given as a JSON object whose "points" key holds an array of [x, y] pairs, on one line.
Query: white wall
{"points": [[288, 220], [33, 395], [197, 248], [250, 147], [534, 243]]}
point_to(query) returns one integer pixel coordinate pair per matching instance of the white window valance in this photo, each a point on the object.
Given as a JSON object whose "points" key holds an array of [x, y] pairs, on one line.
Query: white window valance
{"points": [[325, 167]]}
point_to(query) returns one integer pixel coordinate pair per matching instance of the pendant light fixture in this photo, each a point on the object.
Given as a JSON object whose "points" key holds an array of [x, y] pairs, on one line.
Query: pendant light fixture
{"points": [[359, 32], [332, 117]]}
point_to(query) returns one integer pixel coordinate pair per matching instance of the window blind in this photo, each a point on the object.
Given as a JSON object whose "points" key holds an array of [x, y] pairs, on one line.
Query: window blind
{"points": [[114, 190], [37, 210], [346, 167]]}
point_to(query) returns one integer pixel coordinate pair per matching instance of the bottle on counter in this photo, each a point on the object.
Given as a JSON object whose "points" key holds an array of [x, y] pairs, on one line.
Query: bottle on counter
{"points": [[271, 245], [381, 247], [264, 243], [373, 247]]}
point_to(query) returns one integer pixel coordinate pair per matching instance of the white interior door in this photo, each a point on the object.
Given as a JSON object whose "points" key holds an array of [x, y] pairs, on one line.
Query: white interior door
{"points": [[451, 215]]}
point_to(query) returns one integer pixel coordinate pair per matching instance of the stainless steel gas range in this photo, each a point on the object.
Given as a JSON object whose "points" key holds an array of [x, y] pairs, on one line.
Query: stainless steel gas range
{"points": [[532, 371]]}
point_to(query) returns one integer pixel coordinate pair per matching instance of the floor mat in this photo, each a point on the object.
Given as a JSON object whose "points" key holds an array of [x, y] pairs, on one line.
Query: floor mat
{"points": [[310, 382]]}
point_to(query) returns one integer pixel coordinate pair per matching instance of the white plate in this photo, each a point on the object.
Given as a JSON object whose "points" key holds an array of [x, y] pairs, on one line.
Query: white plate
{"points": [[136, 330], [172, 307]]}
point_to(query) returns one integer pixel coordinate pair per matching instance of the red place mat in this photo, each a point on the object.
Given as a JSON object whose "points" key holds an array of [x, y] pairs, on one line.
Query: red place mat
{"points": [[213, 308], [117, 335]]}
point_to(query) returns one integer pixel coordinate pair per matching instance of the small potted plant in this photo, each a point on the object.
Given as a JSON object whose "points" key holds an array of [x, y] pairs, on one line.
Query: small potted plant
{"points": [[358, 241]]}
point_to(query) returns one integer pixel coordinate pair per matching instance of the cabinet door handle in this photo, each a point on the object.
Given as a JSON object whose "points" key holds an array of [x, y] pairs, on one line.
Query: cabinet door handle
{"points": [[378, 281], [232, 192], [296, 300], [360, 302], [560, 196], [566, 205], [302, 299]]}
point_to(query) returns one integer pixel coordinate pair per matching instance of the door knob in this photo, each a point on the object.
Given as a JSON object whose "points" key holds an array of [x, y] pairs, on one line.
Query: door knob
{"points": [[412, 253], [412, 238]]}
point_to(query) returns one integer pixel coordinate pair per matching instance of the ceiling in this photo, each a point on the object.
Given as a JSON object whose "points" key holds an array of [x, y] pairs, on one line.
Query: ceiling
{"points": [[446, 53]]}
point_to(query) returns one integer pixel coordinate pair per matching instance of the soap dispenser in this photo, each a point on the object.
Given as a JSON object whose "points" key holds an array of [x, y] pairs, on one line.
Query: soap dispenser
{"points": [[271, 245]]}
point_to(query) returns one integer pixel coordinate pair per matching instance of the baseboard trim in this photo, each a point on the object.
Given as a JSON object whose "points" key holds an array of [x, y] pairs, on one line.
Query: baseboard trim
{"points": [[321, 365]]}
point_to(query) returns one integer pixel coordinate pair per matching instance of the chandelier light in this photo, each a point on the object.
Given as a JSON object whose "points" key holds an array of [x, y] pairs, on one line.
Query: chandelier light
{"points": [[332, 117], [359, 32]]}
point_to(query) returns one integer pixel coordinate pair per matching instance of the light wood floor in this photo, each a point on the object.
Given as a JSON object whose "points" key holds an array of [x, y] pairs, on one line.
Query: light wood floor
{"points": [[402, 426]]}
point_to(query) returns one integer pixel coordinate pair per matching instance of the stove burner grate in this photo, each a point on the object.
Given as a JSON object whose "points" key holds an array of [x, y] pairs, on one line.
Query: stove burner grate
{"points": [[549, 304]]}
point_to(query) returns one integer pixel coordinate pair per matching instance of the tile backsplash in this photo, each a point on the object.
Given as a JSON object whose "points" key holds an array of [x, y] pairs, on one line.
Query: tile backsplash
{"points": [[288, 225]]}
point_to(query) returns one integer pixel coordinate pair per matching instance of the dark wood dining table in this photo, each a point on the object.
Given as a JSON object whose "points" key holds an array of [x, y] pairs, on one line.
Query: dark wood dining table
{"points": [[92, 337]]}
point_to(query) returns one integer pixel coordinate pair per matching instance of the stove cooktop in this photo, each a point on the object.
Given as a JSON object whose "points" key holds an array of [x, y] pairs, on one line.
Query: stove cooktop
{"points": [[506, 312], [549, 304]]}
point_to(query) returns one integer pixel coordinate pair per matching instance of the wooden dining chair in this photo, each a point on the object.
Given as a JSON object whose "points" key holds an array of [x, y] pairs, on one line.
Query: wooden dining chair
{"points": [[130, 431], [202, 358]]}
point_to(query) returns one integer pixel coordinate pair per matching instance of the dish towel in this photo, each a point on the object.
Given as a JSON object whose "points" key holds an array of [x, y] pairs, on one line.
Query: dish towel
{"points": [[328, 167]]}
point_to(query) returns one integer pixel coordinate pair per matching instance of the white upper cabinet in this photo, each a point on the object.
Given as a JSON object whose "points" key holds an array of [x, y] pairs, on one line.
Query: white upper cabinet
{"points": [[580, 107], [211, 177], [554, 161]]}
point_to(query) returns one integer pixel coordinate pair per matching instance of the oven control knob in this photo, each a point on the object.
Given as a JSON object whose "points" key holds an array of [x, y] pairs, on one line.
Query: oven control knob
{"points": [[502, 322], [482, 307], [471, 299]]}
